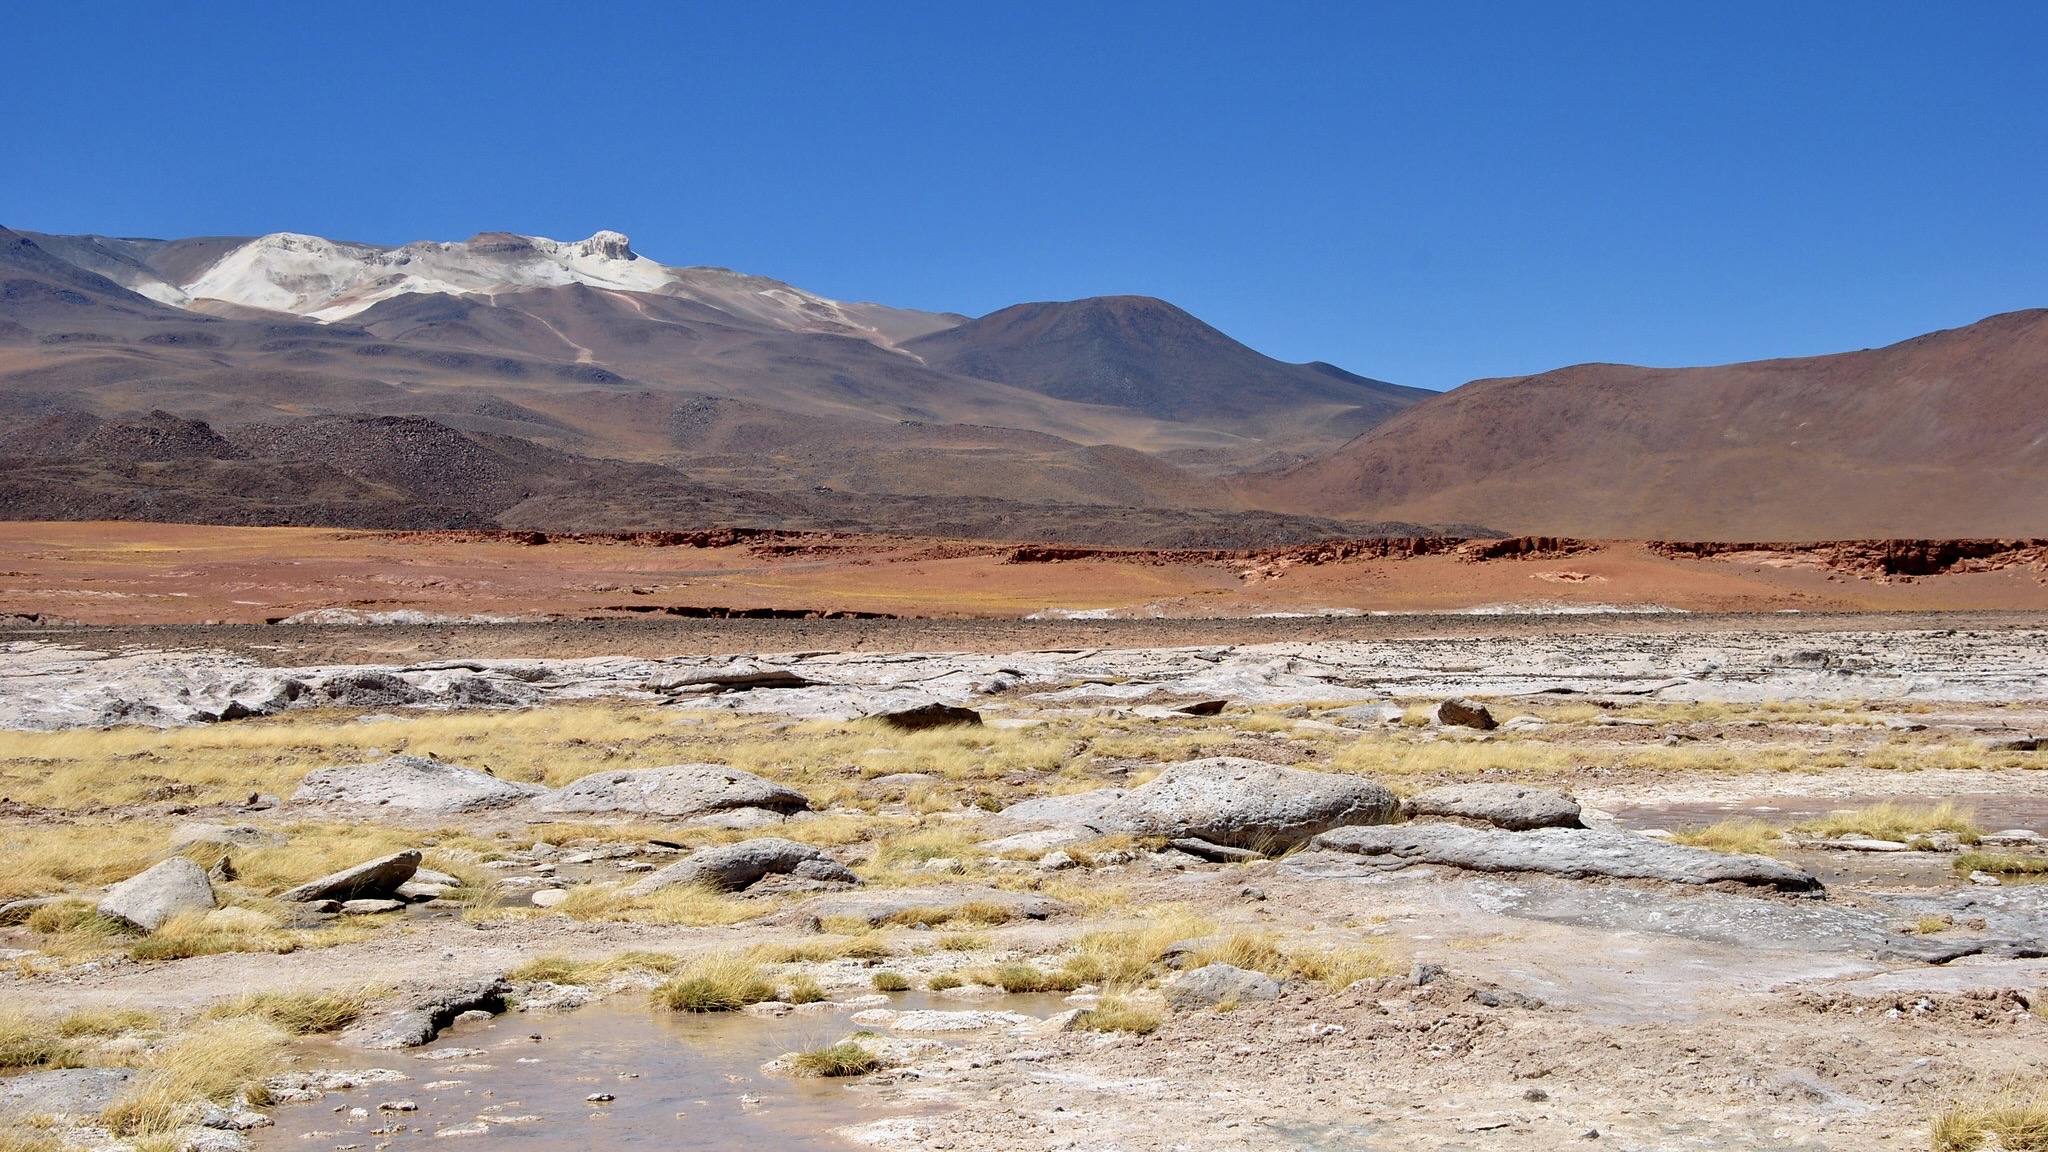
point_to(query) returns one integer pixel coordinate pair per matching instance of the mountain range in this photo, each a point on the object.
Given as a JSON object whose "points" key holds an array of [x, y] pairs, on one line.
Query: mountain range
{"points": [[524, 382]]}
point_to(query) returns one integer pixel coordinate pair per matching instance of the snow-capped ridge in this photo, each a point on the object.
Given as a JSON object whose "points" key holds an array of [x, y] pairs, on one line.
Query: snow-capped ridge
{"points": [[331, 280]]}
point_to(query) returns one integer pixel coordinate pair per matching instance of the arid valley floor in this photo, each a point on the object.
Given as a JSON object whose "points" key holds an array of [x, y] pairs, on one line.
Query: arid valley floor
{"points": [[1208, 862]]}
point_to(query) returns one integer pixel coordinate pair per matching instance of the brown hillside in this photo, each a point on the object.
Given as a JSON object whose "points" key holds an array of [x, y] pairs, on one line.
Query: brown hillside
{"points": [[1939, 436]]}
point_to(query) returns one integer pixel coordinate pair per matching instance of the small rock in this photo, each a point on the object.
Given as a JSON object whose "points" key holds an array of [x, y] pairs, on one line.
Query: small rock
{"points": [[1203, 708], [1986, 879], [599, 1098], [1214, 853], [398, 1106], [370, 907], [412, 783], [1054, 861], [549, 897], [1461, 713], [1214, 984]]}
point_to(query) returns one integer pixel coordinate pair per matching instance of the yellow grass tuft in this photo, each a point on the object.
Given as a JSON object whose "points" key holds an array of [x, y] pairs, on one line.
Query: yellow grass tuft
{"points": [[1119, 1012], [718, 982], [1891, 820], [687, 904], [1742, 835], [296, 1013], [2017, 1119], [215, 1062]]}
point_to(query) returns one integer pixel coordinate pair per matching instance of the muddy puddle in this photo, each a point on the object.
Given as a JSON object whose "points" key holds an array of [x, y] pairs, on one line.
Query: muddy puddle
{"points": [[613, 1075]]}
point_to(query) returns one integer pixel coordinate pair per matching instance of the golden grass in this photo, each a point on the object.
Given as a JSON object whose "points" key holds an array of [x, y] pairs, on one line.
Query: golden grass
{"points": [[963, 941], [846, 1058], [1742, 835], [802, 990], [718, 982], [1891, 820], [296, 1013], [49, 860], [1129, 956], [686, 904], [35, 1042], [559, 968], [1018, 976], [1119, 1012], [972, 912], [16, 1140], [215, 1062], [2017, 1119], [890, 982], [1341, 967], [2001, 863]]}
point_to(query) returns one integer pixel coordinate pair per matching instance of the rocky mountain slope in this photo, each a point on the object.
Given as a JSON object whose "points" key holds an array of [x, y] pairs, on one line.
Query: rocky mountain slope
{"points": [[744, 384], [1943, 435]]}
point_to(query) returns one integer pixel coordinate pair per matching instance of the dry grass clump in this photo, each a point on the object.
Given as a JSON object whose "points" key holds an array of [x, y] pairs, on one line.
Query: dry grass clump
{"points": [[890, 982], [1131, 955], [802, 989], [296, 1013], [1742, 835], [215, 931], [1018, 976], [101, 1023], [16, 1140], [2016, 1119], [963, 942], [558, 968], [718, 982], [944, 981], [973, 912], [1892, 820], [31, 1042], [48, 860], [1118, 1012], [215, 1062], [687, 904], [2001, 863], [847, 1058], [1340, 968]]}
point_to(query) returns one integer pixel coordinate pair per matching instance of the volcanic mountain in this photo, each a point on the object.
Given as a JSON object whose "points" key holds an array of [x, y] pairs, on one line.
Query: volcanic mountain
{"points": [[758, 399], [1942, 435]]}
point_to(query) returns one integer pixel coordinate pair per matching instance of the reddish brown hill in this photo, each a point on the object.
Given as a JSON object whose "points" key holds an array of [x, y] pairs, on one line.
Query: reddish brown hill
{"points": [[1943, 435]]}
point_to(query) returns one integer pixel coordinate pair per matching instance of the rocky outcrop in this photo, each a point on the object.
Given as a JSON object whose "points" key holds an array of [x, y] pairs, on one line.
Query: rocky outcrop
{"points": [[148, 900], [413, 783], [679, 790], [733, 867], [1509, 806], [417, 1012], [1242, 803], [377, 879], [1571, 853], [926, 716]]}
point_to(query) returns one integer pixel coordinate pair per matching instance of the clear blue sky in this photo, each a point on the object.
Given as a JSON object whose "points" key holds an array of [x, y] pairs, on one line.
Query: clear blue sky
{"points": [[1425, 192]]}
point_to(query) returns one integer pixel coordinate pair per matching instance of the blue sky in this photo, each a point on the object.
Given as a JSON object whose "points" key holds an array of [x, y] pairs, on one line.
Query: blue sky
{"points": [[1427, 193]]}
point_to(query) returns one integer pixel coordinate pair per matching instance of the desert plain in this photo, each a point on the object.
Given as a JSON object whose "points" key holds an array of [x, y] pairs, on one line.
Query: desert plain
{"points": [[325, 839]]}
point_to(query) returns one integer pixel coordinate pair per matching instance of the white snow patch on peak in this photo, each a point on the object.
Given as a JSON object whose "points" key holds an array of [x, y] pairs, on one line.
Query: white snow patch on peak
{"points": [[331, 280]]}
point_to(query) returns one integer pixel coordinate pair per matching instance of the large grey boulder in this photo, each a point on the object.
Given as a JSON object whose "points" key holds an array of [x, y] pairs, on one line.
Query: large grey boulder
{"points": [[412, 783], [1571, 853], [1509, 806], [73, 1092], [147, 900], [733, 867], [1214, 984], [1247, 804], [371, 880], [679, 790]]}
